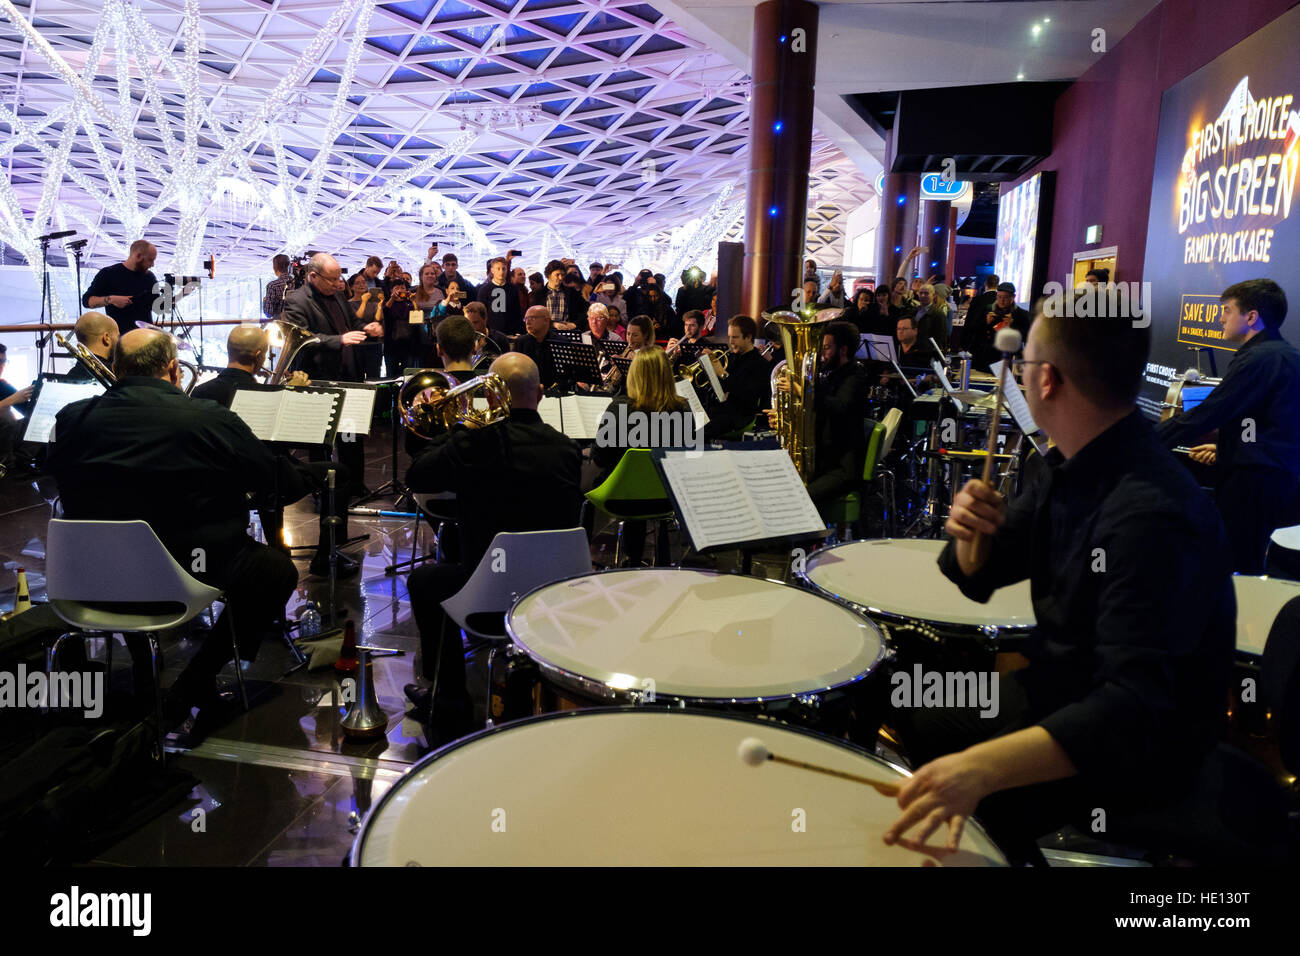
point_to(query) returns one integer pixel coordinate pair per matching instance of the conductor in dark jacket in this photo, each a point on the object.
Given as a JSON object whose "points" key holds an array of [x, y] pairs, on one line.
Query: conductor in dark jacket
{"points": [[321, 307], [144, 450], [517, 475]]}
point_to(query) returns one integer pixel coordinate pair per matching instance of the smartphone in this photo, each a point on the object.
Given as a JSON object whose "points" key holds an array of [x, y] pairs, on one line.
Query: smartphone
{"points": [[514, 254], [607, 287]]}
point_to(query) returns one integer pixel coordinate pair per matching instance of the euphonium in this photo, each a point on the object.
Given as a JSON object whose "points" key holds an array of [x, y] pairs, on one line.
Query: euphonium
{"points": [[792, 409], [295, 337], [91, 362], [431, 402]]}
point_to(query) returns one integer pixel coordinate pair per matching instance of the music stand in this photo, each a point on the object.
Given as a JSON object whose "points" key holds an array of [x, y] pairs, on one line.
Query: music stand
{"points": [[621, 363], [575, 361]]}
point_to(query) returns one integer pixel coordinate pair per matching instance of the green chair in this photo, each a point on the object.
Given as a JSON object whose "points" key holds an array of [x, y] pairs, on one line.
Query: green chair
{"points": [[847, 509], [634, 492]]}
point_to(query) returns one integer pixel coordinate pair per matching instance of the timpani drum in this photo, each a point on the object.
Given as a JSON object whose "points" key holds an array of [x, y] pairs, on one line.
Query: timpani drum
{"points": [[1259, 599], [896, 582], [681, 637], [645, 787]]}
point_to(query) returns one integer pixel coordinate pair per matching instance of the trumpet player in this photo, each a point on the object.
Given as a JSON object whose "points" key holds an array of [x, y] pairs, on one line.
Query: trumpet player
{"points": [[692, 338], [746, 381], [488, 342], [98, 334]]}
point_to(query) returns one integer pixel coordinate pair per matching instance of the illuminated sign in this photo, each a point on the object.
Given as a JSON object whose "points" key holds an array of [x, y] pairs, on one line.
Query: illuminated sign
{"points": [[934, 186]]}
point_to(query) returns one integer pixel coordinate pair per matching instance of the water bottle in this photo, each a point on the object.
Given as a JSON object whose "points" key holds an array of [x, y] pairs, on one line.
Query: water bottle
{"points": [[309, 621]]}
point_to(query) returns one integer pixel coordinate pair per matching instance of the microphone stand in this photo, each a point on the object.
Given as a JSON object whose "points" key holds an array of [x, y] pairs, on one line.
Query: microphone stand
{"points": [[332, 523], [45, 297]]}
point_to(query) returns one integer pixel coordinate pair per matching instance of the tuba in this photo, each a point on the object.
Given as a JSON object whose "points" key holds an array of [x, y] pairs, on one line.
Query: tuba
{"points": [[91, 362], [792, 411], [295, 337], [431, 402]]}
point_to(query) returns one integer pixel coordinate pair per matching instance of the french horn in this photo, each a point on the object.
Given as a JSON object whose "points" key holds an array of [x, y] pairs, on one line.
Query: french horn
{"points": [[431, 402]]}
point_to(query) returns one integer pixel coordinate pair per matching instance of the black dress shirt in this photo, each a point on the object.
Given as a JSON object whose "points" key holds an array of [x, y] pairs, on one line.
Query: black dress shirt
{"points": [[1263, 385], [539, 352], [145, 450], [748, 384], [1127, 563], [222, 388], [117, 279], [517, 475]]}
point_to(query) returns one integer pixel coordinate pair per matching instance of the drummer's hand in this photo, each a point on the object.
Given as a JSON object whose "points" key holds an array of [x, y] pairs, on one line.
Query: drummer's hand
{"points": [[1204, 454], [297, 379], [945, 790], [977, 513]]}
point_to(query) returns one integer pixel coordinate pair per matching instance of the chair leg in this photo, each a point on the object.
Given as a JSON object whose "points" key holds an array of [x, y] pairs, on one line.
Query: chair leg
{"points": [[239, 667], [158, 700], [52, 652], [618, 544]]}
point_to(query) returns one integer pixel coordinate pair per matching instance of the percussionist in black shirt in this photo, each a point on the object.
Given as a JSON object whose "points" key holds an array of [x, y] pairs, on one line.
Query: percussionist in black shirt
{"points": [[1256, 412], [246, 350], [747, 382], [125, 289], [1133, 598], [516, 475], [144, 450]]}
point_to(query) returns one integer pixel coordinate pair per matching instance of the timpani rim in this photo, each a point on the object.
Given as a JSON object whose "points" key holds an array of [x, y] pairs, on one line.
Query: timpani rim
{"points": [[586, 684], [754, 721]]}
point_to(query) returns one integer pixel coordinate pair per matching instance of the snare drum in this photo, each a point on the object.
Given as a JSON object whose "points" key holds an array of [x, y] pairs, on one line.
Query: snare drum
{"points": [[897, 583], [678, 637], [639, 787]]}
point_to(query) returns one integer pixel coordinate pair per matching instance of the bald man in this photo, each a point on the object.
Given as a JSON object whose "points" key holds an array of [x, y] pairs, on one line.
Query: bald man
{"points": [[144, 450], [98, 334], [125, 290], [516, 475], [536, 342]]}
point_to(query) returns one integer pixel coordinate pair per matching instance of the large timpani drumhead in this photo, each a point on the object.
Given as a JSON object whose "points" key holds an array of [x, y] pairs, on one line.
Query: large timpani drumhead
{"points": [[1258, 602], [644, 787], [697, 635], [900, 577]]}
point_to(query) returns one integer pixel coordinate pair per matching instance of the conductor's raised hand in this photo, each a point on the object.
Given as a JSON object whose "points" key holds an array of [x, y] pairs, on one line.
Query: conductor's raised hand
{"points": [[353, 338], [977, 513]]}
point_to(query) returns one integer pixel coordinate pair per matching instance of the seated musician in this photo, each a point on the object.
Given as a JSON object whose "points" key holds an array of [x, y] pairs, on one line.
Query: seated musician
{"points": [[1256, 413], [1135, 612], [912, 352], [517, 475], [650, 389], [488, 342], [246, 349], [599, 329], [536, 343], [840, 398], [692, 340], [747, 382], [145, 450], [98, 334]]}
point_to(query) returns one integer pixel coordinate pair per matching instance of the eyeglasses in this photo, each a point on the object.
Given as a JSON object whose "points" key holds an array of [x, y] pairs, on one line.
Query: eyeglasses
{"points": [[1018, 365]]}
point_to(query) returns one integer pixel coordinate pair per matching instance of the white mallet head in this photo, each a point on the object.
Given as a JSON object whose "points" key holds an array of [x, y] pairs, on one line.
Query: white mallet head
{"points": [[753, 752], [1007, 341]]}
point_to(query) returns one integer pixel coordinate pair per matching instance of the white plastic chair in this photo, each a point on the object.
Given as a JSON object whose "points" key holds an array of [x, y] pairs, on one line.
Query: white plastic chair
{"points": [[891, 421], [94, 571], [532, 559]]}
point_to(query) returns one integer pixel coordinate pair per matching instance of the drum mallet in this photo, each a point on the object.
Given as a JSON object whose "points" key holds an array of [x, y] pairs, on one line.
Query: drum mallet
{"points": [[1007, 342], [754, 752]]}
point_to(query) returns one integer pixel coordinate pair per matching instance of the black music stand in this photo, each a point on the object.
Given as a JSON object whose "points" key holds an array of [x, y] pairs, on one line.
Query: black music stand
{"points": [[575, 362], [394, 485], [621, 363]]}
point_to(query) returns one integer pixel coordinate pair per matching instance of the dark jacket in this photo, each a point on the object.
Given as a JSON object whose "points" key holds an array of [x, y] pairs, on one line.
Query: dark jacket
{"points": [[145, 450], [840, 403], [326, 317], [539, 352], [574, 303], [503, 307], [518, 475], [748, 384], [1132, 653]]}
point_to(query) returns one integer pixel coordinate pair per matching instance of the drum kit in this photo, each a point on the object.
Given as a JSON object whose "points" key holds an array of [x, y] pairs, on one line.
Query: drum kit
{"points": [[618, 706]]}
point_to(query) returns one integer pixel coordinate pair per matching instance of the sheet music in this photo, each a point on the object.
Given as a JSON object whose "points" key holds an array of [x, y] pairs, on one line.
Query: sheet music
{"points": [[707, 364], [687, 391], [881, 347], [358, 407], [712, 499], [1015, 400], [549, 409], [51, 399], [587, 412], [258, 408], [305, 416], [779, 497]]}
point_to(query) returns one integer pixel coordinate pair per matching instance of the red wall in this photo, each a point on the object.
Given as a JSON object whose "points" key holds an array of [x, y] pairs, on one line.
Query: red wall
{"points": [[1104, 138]]}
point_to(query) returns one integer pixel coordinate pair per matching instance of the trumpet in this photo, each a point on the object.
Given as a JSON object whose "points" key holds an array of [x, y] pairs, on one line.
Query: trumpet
{"points": [[695, 370], [91, 362]]}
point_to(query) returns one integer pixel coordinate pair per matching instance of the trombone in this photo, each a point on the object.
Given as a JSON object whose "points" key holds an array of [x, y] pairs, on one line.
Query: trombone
{"points": [[88, 360]]}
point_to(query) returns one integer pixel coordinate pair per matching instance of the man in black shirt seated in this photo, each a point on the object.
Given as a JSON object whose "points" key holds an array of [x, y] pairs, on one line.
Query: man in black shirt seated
{"points": [[246, 350], [1132, 654], [536, 342], [494, 343], [144, 450], [98, 334], [1255, 411], [747, 382], [517, 475], [125, 289], [912, 352], [840, 400]]}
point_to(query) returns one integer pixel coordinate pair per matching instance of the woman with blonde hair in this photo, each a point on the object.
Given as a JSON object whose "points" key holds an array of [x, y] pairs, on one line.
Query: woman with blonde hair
{"points": [[651, 389]]}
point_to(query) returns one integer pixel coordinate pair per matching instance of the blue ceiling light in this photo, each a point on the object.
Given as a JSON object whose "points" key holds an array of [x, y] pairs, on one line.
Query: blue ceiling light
{"points": [[778, 126], [901, 200], [937, 228], [772, 210], [782, 38], [898, 248]]}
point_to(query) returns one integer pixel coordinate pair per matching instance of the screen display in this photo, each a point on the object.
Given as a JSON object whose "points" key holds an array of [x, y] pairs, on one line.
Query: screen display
{"points": [[1018, 236]]}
